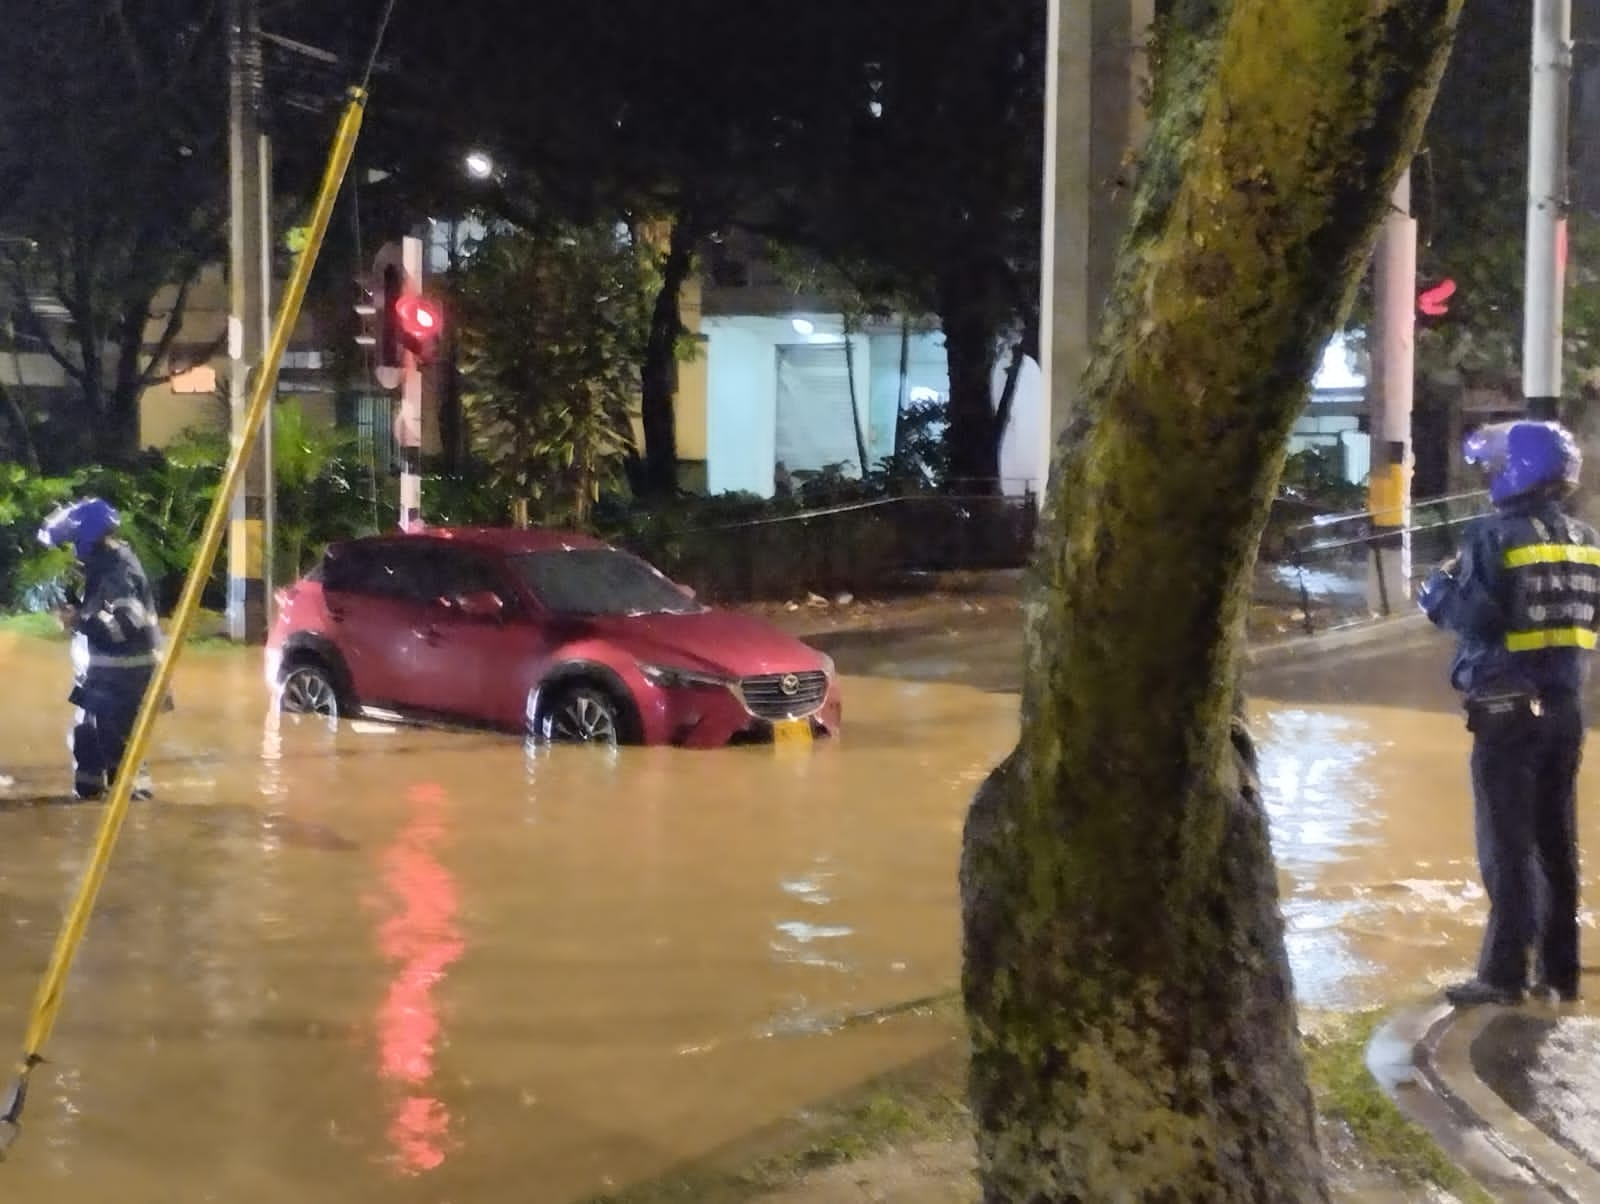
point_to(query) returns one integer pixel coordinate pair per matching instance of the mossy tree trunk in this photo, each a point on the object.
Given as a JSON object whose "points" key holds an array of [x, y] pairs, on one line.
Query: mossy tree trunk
{"points": [[1131, 1010]]}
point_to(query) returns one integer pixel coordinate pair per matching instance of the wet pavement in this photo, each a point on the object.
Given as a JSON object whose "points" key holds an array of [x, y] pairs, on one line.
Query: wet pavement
{"points": [[424, 966]]}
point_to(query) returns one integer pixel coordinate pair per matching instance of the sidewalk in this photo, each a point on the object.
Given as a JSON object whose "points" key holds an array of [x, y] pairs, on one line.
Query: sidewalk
{"points": [[1511, 1094]]}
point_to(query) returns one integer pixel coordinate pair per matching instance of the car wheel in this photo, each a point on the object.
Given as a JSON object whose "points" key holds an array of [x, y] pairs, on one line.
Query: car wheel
{"points": [[308, 688], [579, 714]]}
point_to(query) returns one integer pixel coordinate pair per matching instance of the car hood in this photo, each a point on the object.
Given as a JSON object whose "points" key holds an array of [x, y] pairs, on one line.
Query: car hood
{"points": [[711, 641]]}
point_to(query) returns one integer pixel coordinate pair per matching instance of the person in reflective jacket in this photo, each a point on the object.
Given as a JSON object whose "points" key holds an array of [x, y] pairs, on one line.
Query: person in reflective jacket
{"points": [[115, 645], [1522, 597]]}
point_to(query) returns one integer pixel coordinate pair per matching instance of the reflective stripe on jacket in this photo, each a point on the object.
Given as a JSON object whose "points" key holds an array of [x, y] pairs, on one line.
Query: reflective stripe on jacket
{"points": [[1551, 574]]}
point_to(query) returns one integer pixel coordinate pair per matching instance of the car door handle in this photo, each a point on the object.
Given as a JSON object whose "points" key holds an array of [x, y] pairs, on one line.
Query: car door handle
{"points": [[428, 635]]}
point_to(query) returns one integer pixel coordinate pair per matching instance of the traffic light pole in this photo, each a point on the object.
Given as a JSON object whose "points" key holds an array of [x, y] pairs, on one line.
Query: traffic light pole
{"points": [[1390, 390], [250, 525], [409, 423], [1545, 279]]}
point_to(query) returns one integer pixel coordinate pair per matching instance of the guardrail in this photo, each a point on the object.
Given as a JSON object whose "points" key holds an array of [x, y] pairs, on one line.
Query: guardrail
{"points": [[1327, 571]]}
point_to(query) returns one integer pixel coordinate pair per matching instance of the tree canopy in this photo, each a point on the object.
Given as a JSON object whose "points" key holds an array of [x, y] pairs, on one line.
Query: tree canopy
{"points": [[112, 193]]}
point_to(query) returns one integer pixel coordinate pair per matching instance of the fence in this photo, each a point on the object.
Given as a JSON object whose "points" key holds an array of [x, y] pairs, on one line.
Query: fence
{"points": [[1325, 573], [862, 546]]}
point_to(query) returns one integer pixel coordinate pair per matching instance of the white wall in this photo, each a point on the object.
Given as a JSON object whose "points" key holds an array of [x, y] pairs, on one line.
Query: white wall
{"points": [[742, 357], [742, 394], [1025, 446], [741, 407]]}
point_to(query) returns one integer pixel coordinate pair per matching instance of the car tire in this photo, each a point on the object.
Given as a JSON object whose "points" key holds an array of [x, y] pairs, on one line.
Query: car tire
{"points": [[580, 713], [310, 688]]}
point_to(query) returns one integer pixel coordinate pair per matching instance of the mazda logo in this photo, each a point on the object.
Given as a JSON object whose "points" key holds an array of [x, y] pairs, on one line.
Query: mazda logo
{"points": [[790, 685]]}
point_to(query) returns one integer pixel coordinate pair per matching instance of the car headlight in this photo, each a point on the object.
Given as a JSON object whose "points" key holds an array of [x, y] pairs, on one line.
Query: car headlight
{"points": [[827, 664], [670, 677]]}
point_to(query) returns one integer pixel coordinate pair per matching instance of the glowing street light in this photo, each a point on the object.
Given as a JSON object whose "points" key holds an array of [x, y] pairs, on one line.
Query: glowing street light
{"points": [[479, 165]]}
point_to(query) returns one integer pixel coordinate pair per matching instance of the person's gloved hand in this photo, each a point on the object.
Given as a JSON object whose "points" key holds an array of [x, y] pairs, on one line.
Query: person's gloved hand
{"points": [[1438, 585]]}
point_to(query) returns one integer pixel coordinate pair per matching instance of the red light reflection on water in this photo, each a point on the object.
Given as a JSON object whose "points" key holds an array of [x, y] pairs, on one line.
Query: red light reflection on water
{"points": [[421, 937]]}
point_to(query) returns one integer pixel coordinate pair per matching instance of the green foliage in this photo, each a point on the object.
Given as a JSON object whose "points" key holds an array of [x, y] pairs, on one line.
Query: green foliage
{"points": [[323, 494], [553, 327], [1347, 1093], [1315, 476], [1470, 194], [27, 568]]}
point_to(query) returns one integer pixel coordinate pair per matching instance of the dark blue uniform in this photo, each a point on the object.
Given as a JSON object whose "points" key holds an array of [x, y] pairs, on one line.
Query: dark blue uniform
{"points": [[1523, 598], [118, 627]]}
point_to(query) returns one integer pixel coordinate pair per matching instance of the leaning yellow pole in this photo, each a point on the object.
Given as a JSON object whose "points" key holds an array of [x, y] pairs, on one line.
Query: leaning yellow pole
{"points": [[47, 1004]]}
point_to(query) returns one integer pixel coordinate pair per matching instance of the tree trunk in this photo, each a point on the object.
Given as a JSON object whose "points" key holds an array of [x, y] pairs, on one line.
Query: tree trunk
{"points": [[855, 403], [1131, 1011], [119, 436], [27, 454], [971, 437], [659, 383], [905, 388]]}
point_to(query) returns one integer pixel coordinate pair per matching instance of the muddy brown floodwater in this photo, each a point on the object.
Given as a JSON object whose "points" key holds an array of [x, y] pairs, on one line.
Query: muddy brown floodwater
{"points": [[419, 966]]}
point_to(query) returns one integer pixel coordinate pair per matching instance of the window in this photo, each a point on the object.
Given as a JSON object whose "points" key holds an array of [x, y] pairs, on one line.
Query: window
{"points": [[454, 572], [421, 572], [600, 581], [379, 571]]}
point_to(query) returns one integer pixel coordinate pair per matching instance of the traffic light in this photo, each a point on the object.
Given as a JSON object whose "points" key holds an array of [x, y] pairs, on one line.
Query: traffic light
{"points": [[408, 320], [420, 323], [366, 308], [1434, 302], [393, 285]]}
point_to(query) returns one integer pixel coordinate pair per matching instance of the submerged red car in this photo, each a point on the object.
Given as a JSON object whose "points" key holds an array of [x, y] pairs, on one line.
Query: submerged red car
{"points": [[556, 635]]}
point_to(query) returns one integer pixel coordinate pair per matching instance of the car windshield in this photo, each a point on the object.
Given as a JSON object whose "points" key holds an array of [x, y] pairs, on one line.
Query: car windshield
{"points": [[600, 581]]}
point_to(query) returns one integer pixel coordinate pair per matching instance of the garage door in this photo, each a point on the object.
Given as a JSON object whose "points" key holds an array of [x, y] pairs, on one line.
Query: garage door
{"points": [[815, 421]]}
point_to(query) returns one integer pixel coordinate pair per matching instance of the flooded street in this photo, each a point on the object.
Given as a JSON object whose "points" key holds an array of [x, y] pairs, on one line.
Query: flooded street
{"points": [[422, 966]]}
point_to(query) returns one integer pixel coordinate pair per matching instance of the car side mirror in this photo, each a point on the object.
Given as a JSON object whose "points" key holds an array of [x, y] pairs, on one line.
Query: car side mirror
{"points": [[480, 604]]}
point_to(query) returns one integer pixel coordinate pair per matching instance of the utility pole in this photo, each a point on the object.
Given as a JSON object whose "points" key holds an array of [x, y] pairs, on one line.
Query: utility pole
{"points": [[1094, 120], [408, 425], [1390, 389], [1546, 266], [250, 283]]}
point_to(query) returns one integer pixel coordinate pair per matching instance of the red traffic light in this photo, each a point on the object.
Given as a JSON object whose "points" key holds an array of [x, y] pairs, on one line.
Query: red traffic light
{"points": [[420, 319], [1435, 302]]}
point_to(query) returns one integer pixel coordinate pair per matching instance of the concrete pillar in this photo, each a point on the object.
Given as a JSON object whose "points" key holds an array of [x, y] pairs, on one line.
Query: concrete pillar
{"points": [[1094, 118], [250, 276], [1390, 393]]}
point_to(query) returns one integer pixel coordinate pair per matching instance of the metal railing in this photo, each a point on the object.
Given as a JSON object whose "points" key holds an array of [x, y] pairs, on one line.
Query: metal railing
{"points": [[1327, 571], [863, 545]]}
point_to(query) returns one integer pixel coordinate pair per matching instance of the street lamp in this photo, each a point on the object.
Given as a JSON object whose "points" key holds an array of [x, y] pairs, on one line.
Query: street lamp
{"points": [[479, 165]]}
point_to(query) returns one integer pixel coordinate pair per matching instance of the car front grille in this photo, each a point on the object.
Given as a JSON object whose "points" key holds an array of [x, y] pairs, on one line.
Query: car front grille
{"points": [[784, 695]]}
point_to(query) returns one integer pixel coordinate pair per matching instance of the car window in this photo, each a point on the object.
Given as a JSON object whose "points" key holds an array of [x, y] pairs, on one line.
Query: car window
{"points": [[600, 581], [452, 572], [378, 570]]}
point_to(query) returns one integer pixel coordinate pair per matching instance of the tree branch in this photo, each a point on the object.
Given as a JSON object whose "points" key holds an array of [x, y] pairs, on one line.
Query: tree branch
{"points": [[180, 304], [19, 288]]}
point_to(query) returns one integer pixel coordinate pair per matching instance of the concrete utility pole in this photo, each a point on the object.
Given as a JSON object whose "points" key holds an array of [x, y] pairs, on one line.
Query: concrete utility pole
{"points": [[1545, 280], [1094, 120], [250, 284], [1390, 387], [408, 425]]}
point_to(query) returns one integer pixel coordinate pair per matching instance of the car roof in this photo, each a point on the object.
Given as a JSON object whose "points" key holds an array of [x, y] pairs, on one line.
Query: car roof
{"points": [[507, 541]]}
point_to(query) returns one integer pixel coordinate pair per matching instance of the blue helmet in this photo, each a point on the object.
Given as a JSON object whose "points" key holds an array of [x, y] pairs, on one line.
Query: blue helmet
{"points": [[83, 524], [1522, 458]]}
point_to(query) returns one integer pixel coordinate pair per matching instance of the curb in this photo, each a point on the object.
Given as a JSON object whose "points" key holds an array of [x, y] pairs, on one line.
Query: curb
{"points": [[1421, 1057]]}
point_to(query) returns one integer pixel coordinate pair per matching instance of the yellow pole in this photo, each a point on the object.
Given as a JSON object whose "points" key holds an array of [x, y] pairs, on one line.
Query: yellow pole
{"points": [[47, 1003]]}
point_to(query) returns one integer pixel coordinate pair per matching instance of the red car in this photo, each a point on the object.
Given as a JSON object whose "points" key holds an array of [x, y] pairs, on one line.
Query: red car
{"points": [[556, 635]]}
